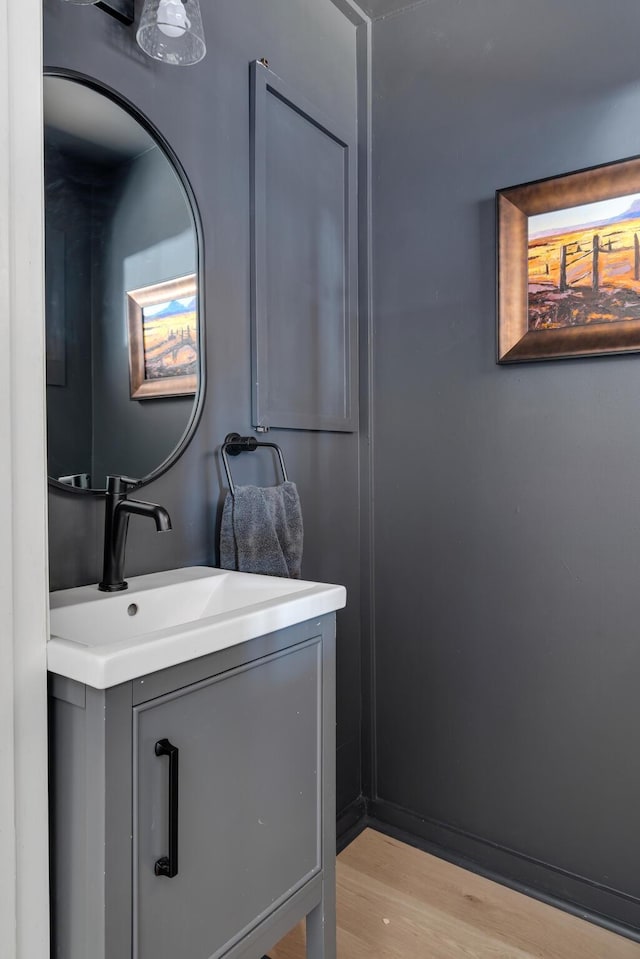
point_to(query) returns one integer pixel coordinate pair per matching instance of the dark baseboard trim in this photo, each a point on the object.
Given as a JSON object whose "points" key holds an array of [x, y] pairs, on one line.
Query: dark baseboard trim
{"points": [[616, 911], [350, 822]]}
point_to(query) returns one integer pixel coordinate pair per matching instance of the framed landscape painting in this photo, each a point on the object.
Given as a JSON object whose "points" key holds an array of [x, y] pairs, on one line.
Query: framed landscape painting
{"points": [[569, 265], [163, 339]]}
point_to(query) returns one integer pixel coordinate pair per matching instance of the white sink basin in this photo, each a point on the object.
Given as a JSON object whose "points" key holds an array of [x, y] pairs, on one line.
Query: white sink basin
{"points": [[103, 639]]}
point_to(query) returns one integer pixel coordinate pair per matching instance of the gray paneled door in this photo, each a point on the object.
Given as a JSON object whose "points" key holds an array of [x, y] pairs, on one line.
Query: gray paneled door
{"points": [[249, 810], [304, 263]]}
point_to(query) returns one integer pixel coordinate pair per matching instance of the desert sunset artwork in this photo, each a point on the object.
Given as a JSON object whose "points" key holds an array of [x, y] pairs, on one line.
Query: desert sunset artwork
{"points": [[164, 339], [170, 338], [584, 265]]}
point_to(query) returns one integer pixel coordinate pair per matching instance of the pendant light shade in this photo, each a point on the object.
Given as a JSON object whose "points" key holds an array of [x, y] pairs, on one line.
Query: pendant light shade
{"points": [[171, 31]]}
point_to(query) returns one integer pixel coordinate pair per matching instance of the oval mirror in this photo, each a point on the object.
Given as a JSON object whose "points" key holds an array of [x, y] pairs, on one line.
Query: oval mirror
{"points": [[123, 321]]}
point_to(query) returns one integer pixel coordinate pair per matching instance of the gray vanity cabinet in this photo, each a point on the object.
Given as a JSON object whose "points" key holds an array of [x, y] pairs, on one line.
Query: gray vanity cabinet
{"points": [[253, 833], [249, 804]]}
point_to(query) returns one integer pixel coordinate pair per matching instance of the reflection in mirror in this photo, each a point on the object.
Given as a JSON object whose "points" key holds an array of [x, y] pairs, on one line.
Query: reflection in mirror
{"points": [[123, 331]]}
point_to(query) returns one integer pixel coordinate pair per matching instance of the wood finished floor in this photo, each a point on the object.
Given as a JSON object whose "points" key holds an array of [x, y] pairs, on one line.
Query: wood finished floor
{"points": [[396, 902]]}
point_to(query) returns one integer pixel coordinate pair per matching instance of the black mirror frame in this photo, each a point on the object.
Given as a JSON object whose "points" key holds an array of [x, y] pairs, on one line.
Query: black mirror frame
{"points": [[169, 152]]}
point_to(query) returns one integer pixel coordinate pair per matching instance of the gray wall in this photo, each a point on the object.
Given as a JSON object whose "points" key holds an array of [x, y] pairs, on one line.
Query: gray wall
{"points": [[507, 499], [203, 111]]}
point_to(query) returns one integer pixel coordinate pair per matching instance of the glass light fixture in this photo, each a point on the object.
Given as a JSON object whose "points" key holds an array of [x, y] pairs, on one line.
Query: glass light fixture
{"points": [[171, 31]]}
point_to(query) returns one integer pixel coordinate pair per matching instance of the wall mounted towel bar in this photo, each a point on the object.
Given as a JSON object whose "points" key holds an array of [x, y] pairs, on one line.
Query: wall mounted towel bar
{"points": [[234, 444]]}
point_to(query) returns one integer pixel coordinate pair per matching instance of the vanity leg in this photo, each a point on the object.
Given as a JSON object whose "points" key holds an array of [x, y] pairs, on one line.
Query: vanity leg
{"points": [[321, 921], [321, 929]]}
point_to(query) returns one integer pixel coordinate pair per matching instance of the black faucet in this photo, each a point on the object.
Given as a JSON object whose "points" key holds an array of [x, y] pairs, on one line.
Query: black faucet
{"points": [[118, 510]]}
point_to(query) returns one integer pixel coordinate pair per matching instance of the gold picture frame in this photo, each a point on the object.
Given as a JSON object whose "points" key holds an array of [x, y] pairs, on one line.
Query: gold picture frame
{"points": [[569, 265], [163, 339]]}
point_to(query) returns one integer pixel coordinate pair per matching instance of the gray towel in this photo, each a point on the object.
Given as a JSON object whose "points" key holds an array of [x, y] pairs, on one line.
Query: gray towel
{"points": [[261, 531]]}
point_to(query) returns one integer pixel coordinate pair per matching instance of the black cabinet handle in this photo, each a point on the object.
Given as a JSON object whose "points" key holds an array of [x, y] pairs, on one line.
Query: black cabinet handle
{"points": [[168, 865]]}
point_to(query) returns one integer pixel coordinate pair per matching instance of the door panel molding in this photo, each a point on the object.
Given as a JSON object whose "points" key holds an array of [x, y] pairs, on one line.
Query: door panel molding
{"points": [[304, 262]]}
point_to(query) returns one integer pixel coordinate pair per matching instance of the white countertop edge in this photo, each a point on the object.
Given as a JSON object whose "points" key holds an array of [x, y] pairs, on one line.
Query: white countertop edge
{"points": [[105, 666]]}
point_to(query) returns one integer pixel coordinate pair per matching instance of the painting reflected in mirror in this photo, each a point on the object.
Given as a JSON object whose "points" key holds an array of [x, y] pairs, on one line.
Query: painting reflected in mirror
{"points": [[163, 339]]}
